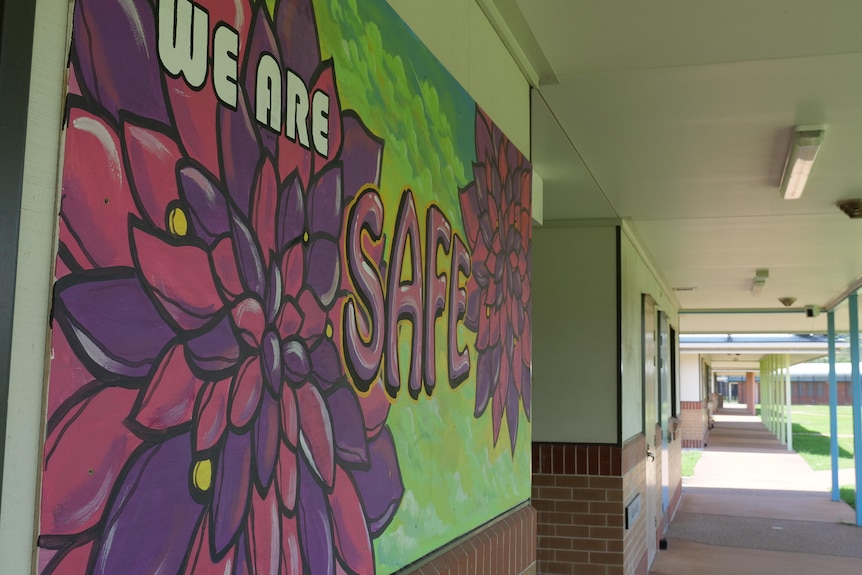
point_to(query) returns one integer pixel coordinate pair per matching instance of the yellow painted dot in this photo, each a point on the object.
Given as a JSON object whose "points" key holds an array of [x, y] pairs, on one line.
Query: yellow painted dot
{"points": [[178, 223], [487, 311], [305, 237], [202, 475], [329, 330]]}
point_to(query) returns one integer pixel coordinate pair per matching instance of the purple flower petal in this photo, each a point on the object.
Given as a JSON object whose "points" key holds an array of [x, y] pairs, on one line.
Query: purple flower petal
{"points": [[246, 393], [114, 46], [291, 562], [169, 399], [96, 198], [512, 413], [239, 152], [232, 490], [314, 525], [84, 455], [291, 214], [474, 306], [286, 474], [73, 560], [96, 315], [352, 540], [487, 375], [211, 415], [323, 269], [315, 433], [361, 156], [153, 516], [349, 426], [200, 560], [179, 276], [326, 364], [215, 350], [264, 204], [289, 417], [243, 557], [274, 292], [380, 487], [296, 361], [266, 442], [264, 534], [262, 42], [208, 210], [297, 36], [325, 202], [470, 212], [249, 319], [151, 158], [270, 357], [249, 256], [194, 116]]}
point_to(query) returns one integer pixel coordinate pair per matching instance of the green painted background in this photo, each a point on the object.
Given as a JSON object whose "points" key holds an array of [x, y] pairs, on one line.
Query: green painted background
{"points": [[455, 478]]}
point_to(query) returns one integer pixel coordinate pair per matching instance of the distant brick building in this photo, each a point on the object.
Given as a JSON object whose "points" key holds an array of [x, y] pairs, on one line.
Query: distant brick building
{"points": [[809, 384]]}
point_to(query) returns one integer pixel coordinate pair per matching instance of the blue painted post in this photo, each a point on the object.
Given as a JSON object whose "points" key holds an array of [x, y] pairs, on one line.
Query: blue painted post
{"points": [[833, 406], [857, 395], [788, 403]]}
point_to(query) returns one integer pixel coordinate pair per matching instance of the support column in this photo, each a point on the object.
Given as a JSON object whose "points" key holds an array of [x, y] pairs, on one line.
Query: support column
{"points": [[750, 393], [833, 406], [856, 383], [788, 403]]}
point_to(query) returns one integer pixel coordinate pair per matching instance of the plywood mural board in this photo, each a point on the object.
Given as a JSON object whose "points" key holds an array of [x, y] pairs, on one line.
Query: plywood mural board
{"points": [[291, 320]]}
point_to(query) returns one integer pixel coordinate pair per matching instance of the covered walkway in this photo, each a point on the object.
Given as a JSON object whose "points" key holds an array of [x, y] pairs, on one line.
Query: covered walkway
{"points": [[753, 507]]}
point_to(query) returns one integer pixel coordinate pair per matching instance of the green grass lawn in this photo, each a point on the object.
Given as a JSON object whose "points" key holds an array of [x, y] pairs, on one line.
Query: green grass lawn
{"points": [[690, 457], [811, 435], [811, 440], [848, 494]]}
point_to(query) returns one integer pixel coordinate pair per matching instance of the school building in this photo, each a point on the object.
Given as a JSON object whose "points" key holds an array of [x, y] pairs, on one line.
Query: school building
{"points": [[382, 286]]}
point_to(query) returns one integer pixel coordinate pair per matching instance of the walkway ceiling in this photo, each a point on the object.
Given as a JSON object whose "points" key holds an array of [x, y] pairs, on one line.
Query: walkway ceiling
{"points": [[677, 116]]}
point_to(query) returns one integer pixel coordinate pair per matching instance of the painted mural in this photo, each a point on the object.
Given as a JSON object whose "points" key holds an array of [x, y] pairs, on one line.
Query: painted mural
{"points": [[291, 319]]}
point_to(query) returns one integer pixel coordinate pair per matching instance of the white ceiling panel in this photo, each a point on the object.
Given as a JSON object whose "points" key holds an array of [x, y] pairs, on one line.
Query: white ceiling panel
{"points": [[677, 116]]}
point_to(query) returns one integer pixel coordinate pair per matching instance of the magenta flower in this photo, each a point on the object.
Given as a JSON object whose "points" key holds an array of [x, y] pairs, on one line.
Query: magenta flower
{"points": [[200, 416], [497, 221]]}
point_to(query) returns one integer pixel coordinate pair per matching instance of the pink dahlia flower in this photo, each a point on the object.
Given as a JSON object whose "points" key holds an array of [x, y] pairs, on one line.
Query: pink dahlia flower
{"points": [[497, 221], [200, 416]]}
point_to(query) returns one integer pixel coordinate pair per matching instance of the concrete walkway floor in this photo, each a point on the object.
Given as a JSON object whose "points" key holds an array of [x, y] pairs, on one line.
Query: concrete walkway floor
{"points": [[752, 507]]}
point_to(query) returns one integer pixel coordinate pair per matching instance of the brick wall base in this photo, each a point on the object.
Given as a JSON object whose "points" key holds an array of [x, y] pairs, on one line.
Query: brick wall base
{"points": [[505, 546], [695, 424]]}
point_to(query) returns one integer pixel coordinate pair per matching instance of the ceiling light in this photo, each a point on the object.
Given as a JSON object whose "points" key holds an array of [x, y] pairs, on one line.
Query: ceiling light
{"points": [[803, 151], [787, 301], [853, 208], [759, 282]]}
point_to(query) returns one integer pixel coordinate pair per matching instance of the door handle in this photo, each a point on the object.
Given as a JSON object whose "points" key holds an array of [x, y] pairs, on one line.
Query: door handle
{"points": [[650, 454]]}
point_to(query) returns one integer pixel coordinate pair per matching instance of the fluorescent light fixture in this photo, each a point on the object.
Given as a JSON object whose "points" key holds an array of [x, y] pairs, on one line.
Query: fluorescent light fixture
{"points": [[759, 282], [803, 151]]}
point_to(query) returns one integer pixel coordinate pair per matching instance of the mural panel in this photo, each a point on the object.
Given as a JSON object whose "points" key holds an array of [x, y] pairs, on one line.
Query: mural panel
{"points": [[291, 320]]}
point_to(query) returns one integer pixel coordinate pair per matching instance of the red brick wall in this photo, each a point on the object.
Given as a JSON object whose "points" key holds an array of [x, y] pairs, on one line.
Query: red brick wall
{"points": [[695, 427], [506, 546], [578, 494], [817, 393]]}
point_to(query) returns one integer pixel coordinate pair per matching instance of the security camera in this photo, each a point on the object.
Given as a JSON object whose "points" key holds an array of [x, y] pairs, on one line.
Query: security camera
{"points": [[812, 311]]}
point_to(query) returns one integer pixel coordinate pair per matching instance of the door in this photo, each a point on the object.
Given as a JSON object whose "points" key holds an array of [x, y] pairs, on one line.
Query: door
{"points": [[664, 393], [651, 407]]}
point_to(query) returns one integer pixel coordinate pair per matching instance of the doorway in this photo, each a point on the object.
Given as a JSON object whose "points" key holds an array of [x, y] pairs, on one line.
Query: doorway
{"points": [[651, 422]]}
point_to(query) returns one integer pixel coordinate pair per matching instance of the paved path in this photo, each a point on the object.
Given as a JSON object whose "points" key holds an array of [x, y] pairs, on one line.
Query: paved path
{"points": [[752, 507]]}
